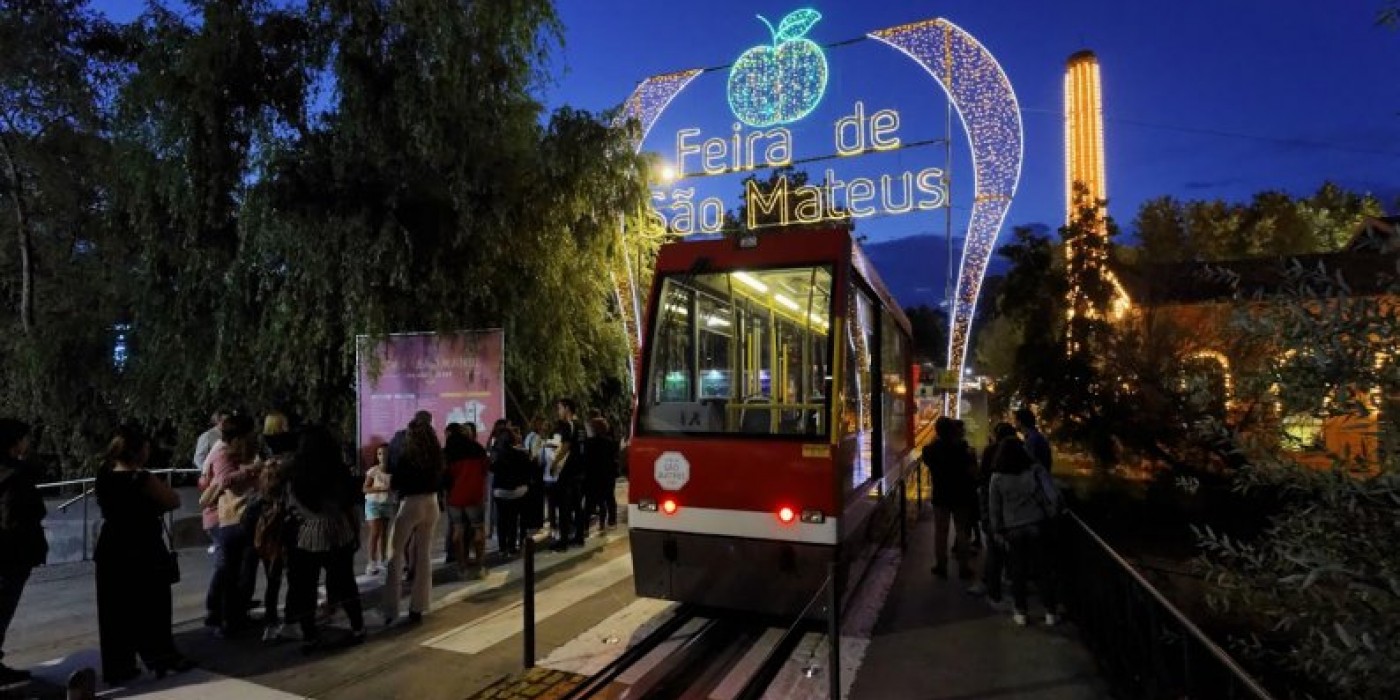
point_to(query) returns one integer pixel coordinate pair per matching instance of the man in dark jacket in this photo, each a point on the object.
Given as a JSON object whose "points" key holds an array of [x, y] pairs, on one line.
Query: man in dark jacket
{"points": [[952, 468], [1036, 443], [22, 542]]}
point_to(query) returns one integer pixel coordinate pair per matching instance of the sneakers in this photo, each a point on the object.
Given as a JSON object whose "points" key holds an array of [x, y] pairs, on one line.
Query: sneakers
{"points": [[272, 633], [1019, 618], [1051, 619], [415, 618]]}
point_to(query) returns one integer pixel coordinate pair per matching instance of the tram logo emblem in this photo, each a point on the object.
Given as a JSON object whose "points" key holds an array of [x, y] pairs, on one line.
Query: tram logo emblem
{"points": [[672, 471]]}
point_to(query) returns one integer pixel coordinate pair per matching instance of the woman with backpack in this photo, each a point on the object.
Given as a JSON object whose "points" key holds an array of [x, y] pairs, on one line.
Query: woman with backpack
{"points": [[1021, 513], [267, 520]]}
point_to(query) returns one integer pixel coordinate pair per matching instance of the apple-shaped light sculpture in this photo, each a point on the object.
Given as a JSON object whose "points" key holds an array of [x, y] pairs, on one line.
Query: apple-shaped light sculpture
{"points": [[782, 83]]}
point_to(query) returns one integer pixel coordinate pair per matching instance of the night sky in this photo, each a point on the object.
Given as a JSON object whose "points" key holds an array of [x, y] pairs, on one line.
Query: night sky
{"points": [[1202, 99]]}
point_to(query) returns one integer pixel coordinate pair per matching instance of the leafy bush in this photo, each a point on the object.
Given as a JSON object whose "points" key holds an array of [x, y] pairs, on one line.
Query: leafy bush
{"points": [[1321, 585]]}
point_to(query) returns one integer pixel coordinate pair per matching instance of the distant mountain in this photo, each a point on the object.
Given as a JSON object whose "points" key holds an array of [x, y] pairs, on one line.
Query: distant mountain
{"points": [[915, 268]]}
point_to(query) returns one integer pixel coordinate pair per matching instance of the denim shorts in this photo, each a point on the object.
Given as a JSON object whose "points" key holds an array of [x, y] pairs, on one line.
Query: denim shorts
{"points": [[382, 510]]}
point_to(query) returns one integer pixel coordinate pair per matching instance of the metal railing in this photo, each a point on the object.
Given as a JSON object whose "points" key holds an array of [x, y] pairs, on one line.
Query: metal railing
{"points": [[84, 497], [1144, 645]]}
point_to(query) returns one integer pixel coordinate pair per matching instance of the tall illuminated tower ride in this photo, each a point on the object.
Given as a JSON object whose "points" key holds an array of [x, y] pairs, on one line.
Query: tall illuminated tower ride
{"points": [[1086, 185], [1084, 158]]}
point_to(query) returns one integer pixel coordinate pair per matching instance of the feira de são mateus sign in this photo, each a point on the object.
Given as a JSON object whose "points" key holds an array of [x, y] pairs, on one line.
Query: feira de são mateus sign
{"points": [[773, 85]]}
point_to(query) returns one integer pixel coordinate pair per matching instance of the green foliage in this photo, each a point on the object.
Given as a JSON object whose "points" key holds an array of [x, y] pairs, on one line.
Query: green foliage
{"points": [[1322, 585], [183, 182], [930, 328], [1272, 224], [1389, 16]]}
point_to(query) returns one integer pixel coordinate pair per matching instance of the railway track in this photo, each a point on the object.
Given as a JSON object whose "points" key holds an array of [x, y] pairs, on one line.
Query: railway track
{"points": [[699, 654]]}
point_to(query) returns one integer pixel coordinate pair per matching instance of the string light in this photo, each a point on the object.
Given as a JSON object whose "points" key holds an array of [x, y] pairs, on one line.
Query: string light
{"points": [[1086, 185], [652, 96], [981, 94], [979, 91], [782, 83]]}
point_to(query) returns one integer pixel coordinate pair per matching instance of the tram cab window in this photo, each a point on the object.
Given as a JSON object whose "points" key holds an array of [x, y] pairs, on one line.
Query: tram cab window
{"points": [[740, 352]]}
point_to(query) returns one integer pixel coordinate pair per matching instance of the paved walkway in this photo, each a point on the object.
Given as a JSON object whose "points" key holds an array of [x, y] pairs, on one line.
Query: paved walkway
{"points": [[933, 640]]}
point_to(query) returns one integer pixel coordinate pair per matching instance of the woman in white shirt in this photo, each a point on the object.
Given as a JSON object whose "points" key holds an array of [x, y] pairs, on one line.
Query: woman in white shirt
{"points": [[379, 510]]}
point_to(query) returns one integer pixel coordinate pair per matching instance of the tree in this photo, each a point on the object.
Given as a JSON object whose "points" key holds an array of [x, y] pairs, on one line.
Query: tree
{"points": [[1389, 16], [1320, 586], [930, 328], [55, 166], [1272, 223], [181, 195]]}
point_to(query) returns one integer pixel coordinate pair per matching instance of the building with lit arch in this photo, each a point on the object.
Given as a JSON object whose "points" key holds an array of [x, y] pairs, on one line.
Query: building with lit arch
{"points": [[1199, 301]]}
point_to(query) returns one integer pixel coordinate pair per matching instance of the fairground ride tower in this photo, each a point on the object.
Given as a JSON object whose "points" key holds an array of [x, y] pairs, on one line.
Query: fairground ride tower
{"points": [[1085, 182], [1084, 158]]}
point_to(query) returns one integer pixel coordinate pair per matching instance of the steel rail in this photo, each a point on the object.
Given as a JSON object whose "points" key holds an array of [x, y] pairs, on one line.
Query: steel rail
{"points": [[602, 679]]}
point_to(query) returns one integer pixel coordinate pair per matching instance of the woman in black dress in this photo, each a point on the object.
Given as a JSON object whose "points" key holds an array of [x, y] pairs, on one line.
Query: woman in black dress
{"points": [[134, 566]]}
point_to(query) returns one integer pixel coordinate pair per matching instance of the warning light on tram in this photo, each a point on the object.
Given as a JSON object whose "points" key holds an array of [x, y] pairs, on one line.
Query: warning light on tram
{"points": [[786, 514], [669, 506]]}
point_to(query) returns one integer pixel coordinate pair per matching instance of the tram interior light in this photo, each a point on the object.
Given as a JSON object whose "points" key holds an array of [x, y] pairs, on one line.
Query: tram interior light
{"points": [[750, 280], [786, 302]]}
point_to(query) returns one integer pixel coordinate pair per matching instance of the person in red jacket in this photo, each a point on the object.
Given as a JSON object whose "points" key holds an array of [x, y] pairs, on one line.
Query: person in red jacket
{"points": [[466, 499]]}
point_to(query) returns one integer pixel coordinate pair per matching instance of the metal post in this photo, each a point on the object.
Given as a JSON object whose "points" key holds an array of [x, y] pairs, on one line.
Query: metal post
{"points": [[903, 515], [833, 631], [85, 526], [529, 603], [919, 477]]}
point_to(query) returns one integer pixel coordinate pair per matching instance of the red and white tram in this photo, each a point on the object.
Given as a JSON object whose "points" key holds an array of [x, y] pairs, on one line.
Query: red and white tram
{"points": [[774, 421]]}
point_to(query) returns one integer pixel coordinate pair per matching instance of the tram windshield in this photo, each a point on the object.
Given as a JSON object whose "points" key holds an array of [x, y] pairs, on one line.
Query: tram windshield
{"points": [[740, 352]]}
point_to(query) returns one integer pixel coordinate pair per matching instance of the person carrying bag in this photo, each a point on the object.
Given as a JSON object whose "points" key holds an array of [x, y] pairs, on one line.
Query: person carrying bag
{"points": [[1022, 512]]}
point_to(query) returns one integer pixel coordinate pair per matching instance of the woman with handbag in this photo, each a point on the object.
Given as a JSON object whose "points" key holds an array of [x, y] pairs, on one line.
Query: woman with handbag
{"points": [[235, 475], [135, 567]]}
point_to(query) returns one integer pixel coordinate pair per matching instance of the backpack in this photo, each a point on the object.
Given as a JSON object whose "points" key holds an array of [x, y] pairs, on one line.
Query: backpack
{"points": [[269, 535]]}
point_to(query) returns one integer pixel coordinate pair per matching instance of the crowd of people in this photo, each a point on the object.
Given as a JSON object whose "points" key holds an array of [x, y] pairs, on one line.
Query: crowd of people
{"points": [[1005, 503], [287, 504]]}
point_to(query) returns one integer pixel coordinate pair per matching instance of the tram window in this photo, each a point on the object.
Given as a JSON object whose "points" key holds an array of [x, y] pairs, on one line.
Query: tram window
{"points": [[741, 352], [858, 415], [673, 354], [894, 363]]}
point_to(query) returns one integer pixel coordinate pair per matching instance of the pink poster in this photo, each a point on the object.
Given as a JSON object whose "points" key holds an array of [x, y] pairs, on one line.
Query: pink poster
{"points": [[458, 377]]}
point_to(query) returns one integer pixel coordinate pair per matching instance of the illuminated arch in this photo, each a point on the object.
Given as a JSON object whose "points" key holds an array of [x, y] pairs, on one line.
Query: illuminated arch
{"points": [[1223, 363], [980, 92]]}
